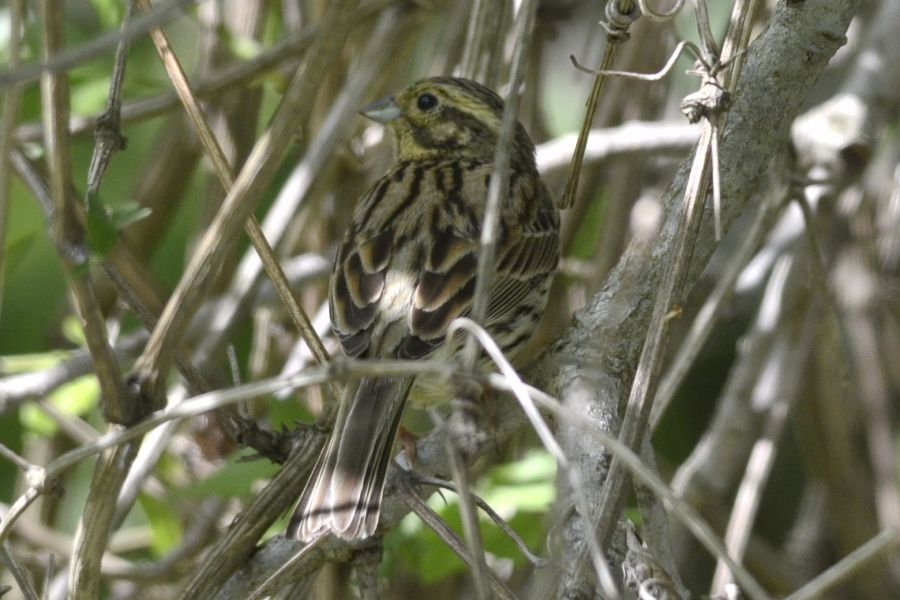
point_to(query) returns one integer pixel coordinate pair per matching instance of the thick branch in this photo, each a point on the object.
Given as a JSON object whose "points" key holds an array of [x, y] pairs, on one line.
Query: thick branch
{"points": [[592, 365]]}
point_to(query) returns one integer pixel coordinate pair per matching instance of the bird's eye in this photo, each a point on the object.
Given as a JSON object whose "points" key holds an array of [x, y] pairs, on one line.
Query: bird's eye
{"points": [[426, 101]]}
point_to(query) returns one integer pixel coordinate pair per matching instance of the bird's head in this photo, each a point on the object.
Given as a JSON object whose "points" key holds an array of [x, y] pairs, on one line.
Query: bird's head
{"points": [[444, 117]]}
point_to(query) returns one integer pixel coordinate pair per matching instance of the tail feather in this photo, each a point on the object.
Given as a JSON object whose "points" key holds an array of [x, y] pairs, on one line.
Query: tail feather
{"points": [[344, 493]]}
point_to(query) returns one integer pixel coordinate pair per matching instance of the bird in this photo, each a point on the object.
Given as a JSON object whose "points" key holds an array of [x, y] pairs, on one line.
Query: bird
{"points": [[406, 268]]}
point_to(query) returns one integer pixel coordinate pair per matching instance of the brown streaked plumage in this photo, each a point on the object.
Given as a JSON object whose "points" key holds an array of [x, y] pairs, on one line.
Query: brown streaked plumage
{"points": [[406, 269]]}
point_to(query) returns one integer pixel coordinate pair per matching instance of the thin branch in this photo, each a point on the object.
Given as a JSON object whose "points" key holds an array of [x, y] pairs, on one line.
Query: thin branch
{"points": [[95, 524], [490, 235], [598, 556], [777, 390], [657, 76], [19, 573], [849, 565], [707, 40], [653, 15], [64, 61], [453, 445], [23, 387], [259, 169], [499, 521], [107, 138], [118, 405], [11, 103], [482, 54], [111, 470], [49, 576], [39, 484], [671, 289], [226, 178], [15, 459], [633, 137], [681, 509], [431, 447], [500, 175], [209, 401], [229, 77], [279, 575], [708, 315], [421, 509], [619, 16]]}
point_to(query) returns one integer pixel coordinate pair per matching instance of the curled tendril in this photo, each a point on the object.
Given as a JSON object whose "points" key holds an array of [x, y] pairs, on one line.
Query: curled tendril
{"points": [[679, 49], [618, 21], [660, 16], [708, 102]]}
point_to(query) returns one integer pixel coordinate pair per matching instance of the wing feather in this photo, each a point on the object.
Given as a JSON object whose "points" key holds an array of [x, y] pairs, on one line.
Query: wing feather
{"points": [[435, 245]]}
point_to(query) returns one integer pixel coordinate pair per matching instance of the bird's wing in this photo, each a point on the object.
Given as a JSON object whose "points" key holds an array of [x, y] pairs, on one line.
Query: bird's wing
{"points": [[527, 255], [528, 252], [359, 274], [357, 286], [433, 242]]}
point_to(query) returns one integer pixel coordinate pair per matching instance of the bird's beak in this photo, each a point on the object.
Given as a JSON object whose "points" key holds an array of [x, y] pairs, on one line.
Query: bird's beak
{"points": [[383, 111]]}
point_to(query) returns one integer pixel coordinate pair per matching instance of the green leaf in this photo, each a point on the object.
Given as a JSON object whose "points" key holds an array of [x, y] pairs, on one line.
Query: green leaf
{"points": [[527, 484], [510, 499], [104, 223], [33, 418], [536, 465], [76, 398], [16, 249], [588, 231], [125, 214], [418, 549], [234, 479], [89, 96], [72, 330], [101, 231], [519, 492], [109, 12], [165, 527], [243, 48], [22, 363]]}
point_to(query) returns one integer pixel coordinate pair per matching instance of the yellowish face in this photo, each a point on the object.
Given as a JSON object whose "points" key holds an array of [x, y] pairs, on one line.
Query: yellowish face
{"points": [[443, 117]]}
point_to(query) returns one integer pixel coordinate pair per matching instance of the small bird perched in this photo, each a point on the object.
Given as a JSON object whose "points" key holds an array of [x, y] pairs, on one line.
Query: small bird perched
{"points": [[406, 269]]}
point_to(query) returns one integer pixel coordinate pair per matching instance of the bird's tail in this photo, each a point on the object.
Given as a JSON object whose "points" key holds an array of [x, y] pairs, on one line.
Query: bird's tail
{"points": [[344, 492]]}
